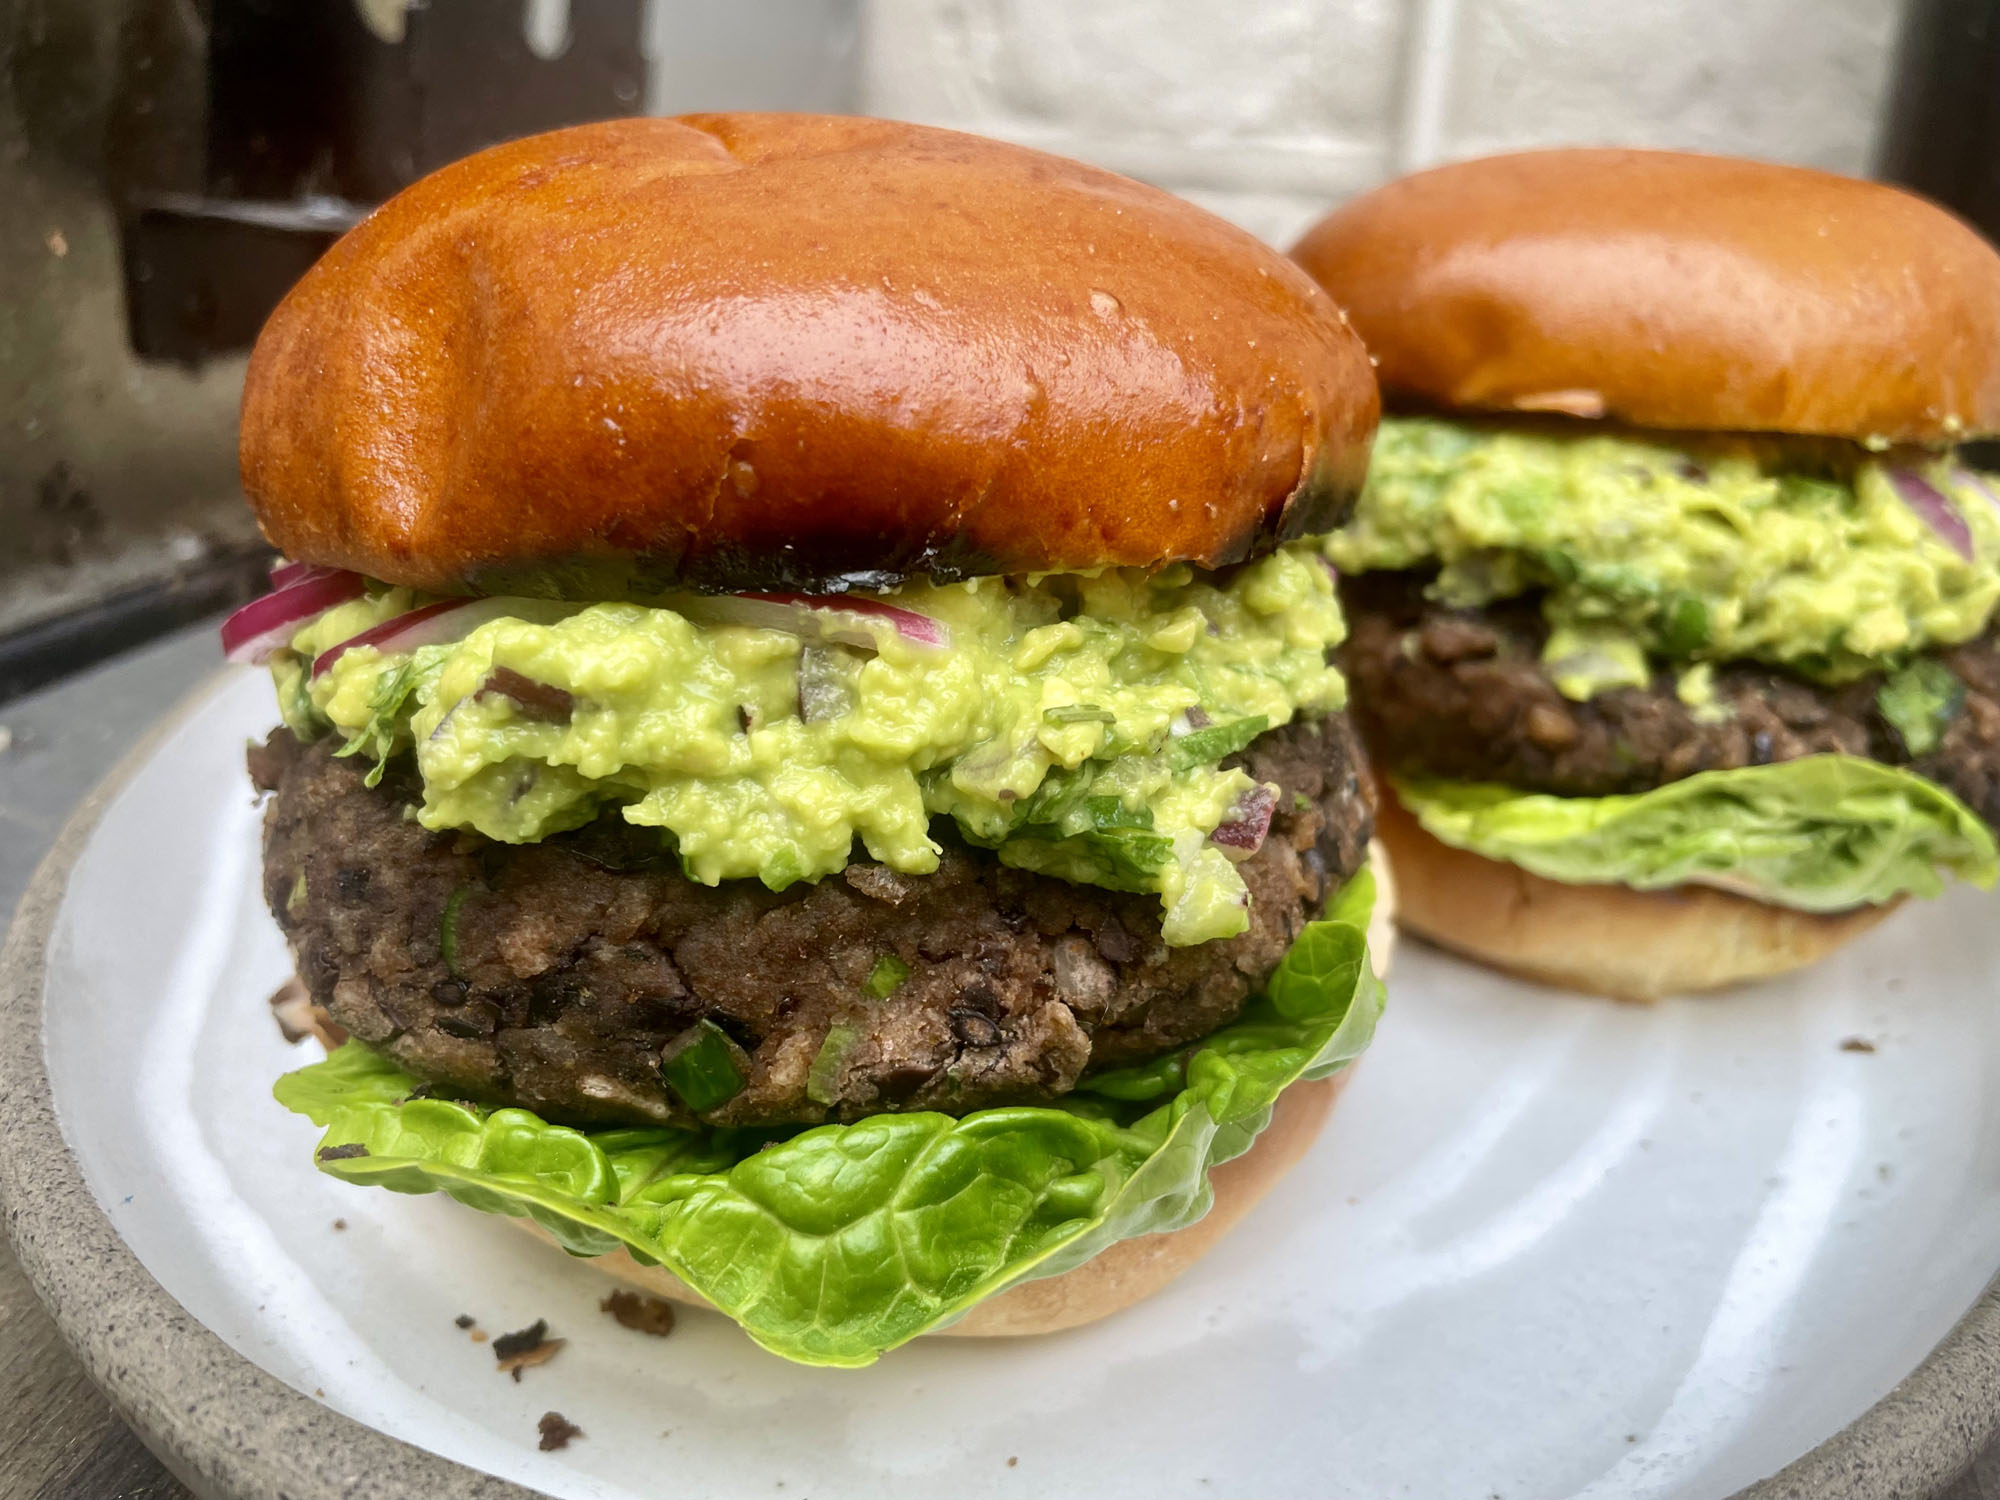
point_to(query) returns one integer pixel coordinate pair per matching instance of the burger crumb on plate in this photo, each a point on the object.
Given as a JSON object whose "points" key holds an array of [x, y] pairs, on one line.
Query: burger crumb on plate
{"points": [[526, 1347], [654, 1315], [556, 1430]]}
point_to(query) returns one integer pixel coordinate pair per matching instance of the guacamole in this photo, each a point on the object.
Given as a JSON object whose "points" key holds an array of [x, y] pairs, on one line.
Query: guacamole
{"points": [[1074, 723], [1687, 547]]}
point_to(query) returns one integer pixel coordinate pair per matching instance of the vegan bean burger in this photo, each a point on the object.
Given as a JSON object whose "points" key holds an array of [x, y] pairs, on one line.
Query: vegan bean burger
{"points": [[1672, 596], [811, 758]]}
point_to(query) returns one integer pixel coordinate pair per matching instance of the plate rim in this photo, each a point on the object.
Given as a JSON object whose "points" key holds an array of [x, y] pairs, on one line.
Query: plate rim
{"points": [[221, 1424], [226, 1427]]}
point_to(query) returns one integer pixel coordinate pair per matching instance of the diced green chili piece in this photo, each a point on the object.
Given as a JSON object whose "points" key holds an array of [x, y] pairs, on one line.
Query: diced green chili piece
{"points": [[1108, 813], [1919, 701], [700, 1066], [784, 868], [823, 1077], [1684, 626], [296, 897], [1079, 713], [886, 977], [1131, 858], [1204, 747], [1562, 566], [448, 930]]}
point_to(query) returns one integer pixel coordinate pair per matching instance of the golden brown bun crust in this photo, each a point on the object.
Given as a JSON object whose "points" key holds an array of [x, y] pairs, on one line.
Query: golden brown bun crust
{"points": [[1131, 1270], [1601, 939], [1671, 290], [793, 350]]}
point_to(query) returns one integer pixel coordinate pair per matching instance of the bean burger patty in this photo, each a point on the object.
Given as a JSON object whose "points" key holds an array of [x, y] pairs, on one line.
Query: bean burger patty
{"points": [[555, 975], [1463, 693]]}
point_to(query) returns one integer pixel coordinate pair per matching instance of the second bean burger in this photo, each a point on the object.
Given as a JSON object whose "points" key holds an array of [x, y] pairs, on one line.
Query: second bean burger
{"points": [[1672, 597], [811, 756]]}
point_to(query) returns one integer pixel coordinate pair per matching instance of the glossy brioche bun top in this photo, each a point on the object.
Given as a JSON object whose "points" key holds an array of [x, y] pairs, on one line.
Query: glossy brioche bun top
{"points": [[1671, 290], [742, 351]]}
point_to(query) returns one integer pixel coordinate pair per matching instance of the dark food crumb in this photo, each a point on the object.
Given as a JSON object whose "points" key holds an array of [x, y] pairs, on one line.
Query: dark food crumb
{"points": [[289, 1003], [341, 1153], [542, 701], [299, 1016], [557, 1430], [464, 1320], [526, 1347], [1012, 1462], [340, 1223], [522, 1339], [640, 1314], [1857, 1044]]}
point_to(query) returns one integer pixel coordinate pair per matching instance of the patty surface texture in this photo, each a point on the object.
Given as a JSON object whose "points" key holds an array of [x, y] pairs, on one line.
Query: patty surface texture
{"points": [[1463, 693], [566, 968]]}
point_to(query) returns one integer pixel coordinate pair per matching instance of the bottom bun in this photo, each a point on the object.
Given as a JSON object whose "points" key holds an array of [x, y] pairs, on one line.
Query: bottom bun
{"points": [[1130, 1271], [1382, 921], [1602, 939]]}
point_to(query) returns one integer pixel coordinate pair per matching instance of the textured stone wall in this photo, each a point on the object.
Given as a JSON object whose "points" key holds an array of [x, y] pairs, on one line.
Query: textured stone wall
{"points": [[1269, 110]]}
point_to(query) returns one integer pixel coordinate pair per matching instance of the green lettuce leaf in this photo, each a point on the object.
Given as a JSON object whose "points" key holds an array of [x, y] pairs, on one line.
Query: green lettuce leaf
{"points": [[835, 1243], [1823, 833]]}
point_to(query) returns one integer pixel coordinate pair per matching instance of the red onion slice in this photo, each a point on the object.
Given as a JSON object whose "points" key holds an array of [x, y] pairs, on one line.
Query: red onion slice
{"points": [[1241, 833], [815, 617], [1933, 508], [823, 691], [1979, 482], [285, 574], [432, 625], [268, 624]]}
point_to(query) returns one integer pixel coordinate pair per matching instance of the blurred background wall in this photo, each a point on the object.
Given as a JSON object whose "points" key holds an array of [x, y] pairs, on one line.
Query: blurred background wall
{"points": [[1268, 110], [167, 167]]}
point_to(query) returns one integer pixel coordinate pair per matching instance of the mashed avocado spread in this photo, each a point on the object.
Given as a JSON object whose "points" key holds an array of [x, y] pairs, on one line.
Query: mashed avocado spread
{"points": [[1074, 723], [1688, 547]]}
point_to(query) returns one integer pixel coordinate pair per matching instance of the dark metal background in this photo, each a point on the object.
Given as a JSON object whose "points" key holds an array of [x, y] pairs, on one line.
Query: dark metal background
{"points": [[168, 168]]}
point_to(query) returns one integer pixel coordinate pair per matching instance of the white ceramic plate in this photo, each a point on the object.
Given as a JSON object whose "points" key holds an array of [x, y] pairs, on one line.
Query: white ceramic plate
{"points": [[1549, 1246]]}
